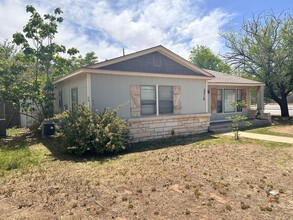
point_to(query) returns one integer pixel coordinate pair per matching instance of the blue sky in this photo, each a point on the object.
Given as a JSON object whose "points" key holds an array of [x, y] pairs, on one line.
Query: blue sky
{"points": [[108, 26]]}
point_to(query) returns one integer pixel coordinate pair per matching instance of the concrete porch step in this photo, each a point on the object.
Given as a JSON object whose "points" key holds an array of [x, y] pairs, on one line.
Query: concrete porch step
{"points": [[220, 126]]}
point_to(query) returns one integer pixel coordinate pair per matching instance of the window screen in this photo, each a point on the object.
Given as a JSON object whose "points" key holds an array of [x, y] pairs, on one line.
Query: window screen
{"points": [[148, 100], [166, 99]]}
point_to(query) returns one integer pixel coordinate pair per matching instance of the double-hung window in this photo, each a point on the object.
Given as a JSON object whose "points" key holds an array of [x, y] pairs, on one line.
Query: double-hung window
{"points": [[148, 100], [166, 99], [156, 100]]}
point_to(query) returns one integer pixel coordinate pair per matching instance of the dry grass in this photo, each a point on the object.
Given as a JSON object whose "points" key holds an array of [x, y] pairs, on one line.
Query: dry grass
{"points": [[280, 127], [198, 177]]}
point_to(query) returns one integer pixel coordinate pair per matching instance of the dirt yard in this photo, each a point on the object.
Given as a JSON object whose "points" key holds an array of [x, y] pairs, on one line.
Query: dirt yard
{"points": [[217, 178]]}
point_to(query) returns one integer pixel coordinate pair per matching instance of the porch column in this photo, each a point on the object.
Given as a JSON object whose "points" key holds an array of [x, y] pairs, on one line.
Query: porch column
{"points": [[260, 98], [248, 98]]}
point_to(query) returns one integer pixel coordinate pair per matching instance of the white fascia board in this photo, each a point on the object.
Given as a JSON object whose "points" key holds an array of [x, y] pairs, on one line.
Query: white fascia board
{"points": [[124, 73], [236, 84]]}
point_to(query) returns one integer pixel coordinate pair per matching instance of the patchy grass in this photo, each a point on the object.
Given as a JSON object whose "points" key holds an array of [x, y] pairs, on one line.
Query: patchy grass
{"points": [[281, 127], [18, 150], [194, 177], [273, 130]]}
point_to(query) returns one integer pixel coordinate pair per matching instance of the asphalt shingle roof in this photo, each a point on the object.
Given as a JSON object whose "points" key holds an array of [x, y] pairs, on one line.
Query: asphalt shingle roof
{"points": [[224, 78]]}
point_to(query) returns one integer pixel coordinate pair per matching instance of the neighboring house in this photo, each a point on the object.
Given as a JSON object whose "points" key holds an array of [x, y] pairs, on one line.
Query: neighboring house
{"points": [[160, 93], [11, 115]]}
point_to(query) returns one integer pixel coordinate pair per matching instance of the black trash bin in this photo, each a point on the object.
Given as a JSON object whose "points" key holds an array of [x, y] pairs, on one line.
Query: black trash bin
{"points": [[48, 129], [2, 128]]}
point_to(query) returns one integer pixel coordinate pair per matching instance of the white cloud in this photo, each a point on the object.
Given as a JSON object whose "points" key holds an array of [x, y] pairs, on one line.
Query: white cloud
{"points": [[105, 27], [12, 18]]}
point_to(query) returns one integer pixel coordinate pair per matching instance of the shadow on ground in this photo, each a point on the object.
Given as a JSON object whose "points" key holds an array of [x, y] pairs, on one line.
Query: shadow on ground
{"points": [[278, 120], [54, 145], [169, 142], [23, 140]]}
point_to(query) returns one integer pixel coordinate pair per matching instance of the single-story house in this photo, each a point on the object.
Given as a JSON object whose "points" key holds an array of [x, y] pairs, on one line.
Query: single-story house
{"points": [[160, 93]]}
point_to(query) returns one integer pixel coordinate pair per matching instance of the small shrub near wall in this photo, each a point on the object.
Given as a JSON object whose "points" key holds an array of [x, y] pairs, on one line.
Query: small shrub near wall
{"points": [[101, 133]]}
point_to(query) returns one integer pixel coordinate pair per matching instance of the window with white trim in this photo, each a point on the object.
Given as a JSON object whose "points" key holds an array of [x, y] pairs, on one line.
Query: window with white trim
{"points": [[148, 100], [151, 97], [166, 100]]}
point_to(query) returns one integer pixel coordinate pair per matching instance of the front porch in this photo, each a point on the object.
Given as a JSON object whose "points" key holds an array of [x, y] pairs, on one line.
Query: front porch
{"points": [[226, 89], [221, 98]]}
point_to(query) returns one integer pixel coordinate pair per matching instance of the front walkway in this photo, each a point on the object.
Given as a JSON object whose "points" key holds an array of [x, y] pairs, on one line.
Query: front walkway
{"points": [[266, 137]]}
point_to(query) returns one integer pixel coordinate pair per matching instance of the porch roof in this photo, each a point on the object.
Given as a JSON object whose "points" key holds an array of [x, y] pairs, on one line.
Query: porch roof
{"points": [[227, 79]]}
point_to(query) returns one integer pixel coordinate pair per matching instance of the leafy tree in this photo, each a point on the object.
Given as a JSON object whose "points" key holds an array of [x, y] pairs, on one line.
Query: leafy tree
{"points": [[203, 57], [90, 58], [11, 68], [39, 48], [264, 49], [64, 65]]}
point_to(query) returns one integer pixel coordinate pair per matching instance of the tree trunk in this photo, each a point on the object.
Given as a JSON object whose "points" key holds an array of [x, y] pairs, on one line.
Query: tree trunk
{"points": [[284, 107], [283, 103]]}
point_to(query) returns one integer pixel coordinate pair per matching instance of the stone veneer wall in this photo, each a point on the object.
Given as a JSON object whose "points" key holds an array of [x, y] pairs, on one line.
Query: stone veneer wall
{"points": [[155, 127]]}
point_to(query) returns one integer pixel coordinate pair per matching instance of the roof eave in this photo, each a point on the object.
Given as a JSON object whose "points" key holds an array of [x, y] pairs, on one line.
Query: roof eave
{"points": [[234, 84], [126, 73]]}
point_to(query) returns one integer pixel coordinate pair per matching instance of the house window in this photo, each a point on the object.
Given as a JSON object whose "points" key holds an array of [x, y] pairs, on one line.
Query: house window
{"points": [[156, 100], [74, 98], [219, 101], [239, 99], [60, 99], [148, 100], [166, 99], [229, 99]]}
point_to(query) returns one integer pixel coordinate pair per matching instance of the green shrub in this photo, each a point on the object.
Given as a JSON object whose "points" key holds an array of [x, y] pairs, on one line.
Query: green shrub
{"points": [[101, 133], [114, 135]]}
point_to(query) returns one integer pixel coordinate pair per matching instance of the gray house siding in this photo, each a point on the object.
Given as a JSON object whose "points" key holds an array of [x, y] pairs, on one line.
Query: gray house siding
{"points": [[66, 86], [113, 90], [152, 63]]}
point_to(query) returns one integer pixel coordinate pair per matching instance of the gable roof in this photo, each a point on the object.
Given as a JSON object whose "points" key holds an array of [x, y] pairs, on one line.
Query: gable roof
{"points": [[154, 62], [171, 55], [227, 79], [103, 67]]}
